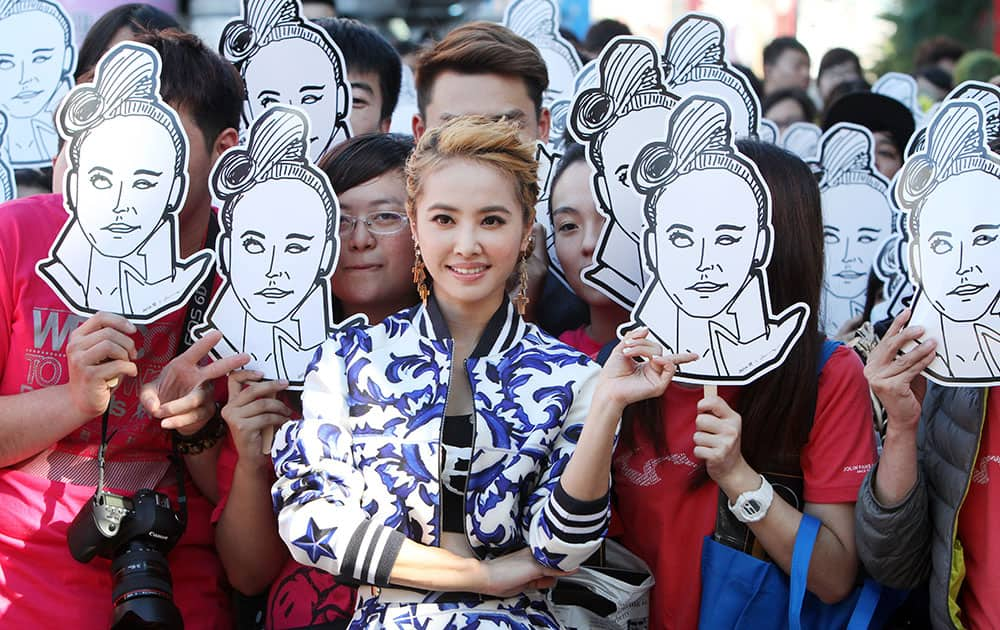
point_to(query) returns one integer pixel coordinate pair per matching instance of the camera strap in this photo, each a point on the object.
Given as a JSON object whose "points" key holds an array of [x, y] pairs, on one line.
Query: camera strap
{"points": [[193, 315]]}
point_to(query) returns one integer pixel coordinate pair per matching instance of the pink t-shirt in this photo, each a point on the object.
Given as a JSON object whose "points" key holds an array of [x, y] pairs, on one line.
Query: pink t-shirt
{"points": [[40, 582], [301, 596], [579, 339]]}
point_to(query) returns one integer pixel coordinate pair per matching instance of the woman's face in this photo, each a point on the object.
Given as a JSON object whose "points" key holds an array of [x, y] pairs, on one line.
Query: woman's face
{"points": [[471, 230], [618, 151], [31, 68], [704, 251], [577, 227], [888, 161], [374, 271], [120, 190], [276, 258], [308, 83], [856, 219], [958, 247]]}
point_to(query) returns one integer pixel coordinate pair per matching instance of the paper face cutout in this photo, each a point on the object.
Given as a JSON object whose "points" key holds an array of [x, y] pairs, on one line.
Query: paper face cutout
{"points": [[8, 187], [538, 22], [857, 219], [284, 58], [947, 191], [37, 60], [695, 64], [802, 139], [276, 265], [406, 106], [903, 88], [706, 245], [124, 187], [613, 120]]}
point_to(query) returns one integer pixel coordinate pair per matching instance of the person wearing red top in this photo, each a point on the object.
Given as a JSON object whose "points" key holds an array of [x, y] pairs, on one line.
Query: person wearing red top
{"points": [[60, 371], [578, 225], [373, 278], [678, 452]]}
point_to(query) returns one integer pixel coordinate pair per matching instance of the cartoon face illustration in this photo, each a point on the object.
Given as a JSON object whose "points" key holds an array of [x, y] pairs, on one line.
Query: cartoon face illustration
{"points": [[856, 219], [261, 43], [309, 84], [957, 251], [704, 253], [538, 22], [562, 67], [618, 151], [121, 191], [276, 268], [32, 67]]}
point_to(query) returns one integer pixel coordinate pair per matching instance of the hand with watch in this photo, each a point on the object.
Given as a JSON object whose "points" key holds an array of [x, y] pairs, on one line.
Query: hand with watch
{"points": [[183, 399], [717, 442]]}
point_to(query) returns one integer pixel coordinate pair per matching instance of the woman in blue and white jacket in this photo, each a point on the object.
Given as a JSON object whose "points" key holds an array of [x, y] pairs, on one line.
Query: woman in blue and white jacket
{"points": [[454, 457]]}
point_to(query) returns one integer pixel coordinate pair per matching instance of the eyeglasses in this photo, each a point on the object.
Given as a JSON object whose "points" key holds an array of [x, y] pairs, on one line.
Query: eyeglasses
{"points": [[381, 223]]}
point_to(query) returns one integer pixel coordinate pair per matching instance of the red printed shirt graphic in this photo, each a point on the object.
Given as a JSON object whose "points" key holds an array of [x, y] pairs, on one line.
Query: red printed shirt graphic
{"points": [[40, 582], [978, 531], [665, 516]]}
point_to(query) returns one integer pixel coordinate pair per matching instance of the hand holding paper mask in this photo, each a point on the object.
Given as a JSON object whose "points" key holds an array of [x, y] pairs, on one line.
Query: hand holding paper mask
{"points": [[125, 186], [953, 229], [707, 243], [276, 265]]}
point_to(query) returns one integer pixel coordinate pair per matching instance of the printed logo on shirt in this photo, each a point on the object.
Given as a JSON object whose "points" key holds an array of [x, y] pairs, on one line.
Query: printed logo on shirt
{"points": [[647, 476], [861, 469], [981, 475]]}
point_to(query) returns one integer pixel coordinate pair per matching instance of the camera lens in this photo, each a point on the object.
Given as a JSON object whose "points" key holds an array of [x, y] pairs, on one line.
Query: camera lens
{"points": [[142, 590]]}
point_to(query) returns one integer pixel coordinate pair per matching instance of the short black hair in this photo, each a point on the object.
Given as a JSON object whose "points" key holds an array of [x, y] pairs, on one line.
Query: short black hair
{"points": [[136, 16], [196, 79], [778, 46], [838, 56], [935, 49], [936, 76], [366, 50], [572, 153], [363, 158], [755, 83], [602, 32], [796, 94]]}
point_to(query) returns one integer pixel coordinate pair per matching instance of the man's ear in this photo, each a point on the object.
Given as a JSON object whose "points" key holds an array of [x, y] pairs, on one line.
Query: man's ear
{"points": [[70, 191], [69, 62], [326, 262], [343, 101], [177, 190], [226, 139], [544, 124], [649, 248], [419, 127], [385, 124], [762, 248], [915, 264]]}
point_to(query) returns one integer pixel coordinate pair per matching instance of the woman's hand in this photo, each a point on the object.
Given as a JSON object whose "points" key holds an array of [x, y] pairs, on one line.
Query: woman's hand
{"points": [[252, 407], [895, 378], [627, 380], [717, 442], [516, 573]]}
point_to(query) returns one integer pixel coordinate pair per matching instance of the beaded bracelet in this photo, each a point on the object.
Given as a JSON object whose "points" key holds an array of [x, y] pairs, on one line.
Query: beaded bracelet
{"points": [[201, 440]]}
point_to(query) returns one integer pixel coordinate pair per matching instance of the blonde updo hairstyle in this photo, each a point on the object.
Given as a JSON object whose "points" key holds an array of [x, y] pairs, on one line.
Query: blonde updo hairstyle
{"points": [[481, 140]]}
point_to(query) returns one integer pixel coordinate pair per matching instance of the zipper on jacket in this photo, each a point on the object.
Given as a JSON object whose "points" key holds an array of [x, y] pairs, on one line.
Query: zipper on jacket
{"points": [[444, 415], [472, 452]]}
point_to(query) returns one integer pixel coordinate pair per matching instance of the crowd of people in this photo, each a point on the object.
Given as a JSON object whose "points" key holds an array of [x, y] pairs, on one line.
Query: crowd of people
{"points": [[488, 428]]}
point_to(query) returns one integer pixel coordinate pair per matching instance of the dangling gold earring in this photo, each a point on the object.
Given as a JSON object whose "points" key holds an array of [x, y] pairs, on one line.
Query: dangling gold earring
{"points": [[420, 274], [521, 299]]}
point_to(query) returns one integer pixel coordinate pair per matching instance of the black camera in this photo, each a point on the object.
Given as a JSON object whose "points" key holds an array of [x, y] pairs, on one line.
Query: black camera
{"points": [[135, 534]]}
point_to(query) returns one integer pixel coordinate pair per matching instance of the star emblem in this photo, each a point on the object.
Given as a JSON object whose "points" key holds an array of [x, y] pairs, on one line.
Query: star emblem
{"points": [[316, 541]]}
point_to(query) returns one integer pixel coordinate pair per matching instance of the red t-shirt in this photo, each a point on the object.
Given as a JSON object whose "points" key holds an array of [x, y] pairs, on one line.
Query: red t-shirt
{"points": [[301, 596], [665, 518], [580, 340], [977, 527], [40, 582]]}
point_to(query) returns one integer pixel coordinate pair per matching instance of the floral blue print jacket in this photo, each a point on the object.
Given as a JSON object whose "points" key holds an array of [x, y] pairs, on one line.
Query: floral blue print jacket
{"points": [[360, 472]]}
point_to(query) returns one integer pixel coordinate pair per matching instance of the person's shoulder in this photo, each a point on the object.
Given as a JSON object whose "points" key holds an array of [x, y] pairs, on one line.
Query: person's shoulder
{"points": [[36, 212], [842, 380], [559, 352], [843, 363]]}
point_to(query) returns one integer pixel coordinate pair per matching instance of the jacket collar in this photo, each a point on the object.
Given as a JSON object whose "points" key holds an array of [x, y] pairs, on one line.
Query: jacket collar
{"points": [[504, 329]]}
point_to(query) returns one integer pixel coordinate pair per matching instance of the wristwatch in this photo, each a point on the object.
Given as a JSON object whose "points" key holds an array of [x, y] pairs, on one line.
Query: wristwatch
{"points": [[752, 506]]}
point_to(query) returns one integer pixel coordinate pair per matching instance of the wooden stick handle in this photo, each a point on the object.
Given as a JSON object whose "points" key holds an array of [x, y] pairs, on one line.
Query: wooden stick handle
{"points": [[711, 390]]}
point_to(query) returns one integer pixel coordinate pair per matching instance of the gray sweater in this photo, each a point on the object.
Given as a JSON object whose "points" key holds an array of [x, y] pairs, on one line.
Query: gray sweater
{"points": [[903, 545]]}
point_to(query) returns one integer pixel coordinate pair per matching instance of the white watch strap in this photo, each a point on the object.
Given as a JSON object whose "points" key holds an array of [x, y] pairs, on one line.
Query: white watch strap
{"points": [[752, 506]]}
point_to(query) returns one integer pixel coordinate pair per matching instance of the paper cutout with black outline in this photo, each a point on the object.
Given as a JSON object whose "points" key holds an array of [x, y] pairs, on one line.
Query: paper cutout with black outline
{"points": [[8, 186], [125, 185], [538, 22], [37, 60], [857, 219], [948, 191], [406, 106], [612, 120], [707, 244], [284, 58], [275, 264], [695, 64], [802, 139], [892, 265], [904, 89]]}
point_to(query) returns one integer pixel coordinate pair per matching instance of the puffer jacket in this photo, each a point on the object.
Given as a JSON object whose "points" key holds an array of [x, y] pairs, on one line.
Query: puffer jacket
{"points": [[360, 472], [903, 545]]}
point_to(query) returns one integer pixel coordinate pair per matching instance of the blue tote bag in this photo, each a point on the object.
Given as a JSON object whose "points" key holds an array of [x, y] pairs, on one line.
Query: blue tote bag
{"points": [[740, 591]]}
